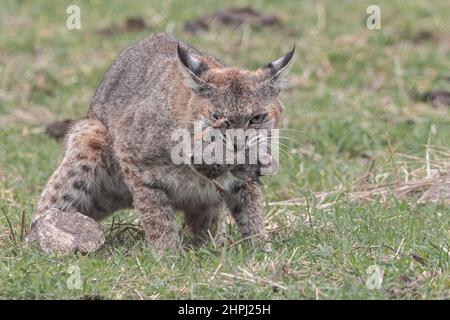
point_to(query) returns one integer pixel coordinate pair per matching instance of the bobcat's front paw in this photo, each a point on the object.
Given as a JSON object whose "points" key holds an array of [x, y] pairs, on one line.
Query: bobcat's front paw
{"points": [[166, 243]]}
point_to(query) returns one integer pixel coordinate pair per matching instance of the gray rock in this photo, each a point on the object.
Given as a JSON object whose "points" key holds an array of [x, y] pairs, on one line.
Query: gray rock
{"points": [[62, 233]]}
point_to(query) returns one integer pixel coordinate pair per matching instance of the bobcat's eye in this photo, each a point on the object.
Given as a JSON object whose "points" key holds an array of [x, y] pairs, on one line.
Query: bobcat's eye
{"points": [[258, 118]]}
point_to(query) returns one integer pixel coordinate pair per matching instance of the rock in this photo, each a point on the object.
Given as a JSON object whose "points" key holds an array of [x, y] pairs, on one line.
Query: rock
{"points": [[61, 232]]}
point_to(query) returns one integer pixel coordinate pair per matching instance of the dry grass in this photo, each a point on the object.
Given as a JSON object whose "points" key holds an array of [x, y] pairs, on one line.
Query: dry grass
{"points": [[428, 183]]}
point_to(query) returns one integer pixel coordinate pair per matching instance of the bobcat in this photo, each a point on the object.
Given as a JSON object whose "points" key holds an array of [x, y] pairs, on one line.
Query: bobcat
{"points": [[119, 156]]}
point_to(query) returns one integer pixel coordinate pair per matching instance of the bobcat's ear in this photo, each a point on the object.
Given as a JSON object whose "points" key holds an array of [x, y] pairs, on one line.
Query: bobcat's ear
{"points": [[193, 69], [276, 71]]}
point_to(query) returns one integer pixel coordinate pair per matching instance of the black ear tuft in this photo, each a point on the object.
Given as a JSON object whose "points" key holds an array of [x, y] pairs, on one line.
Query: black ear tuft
{"points": [[193, 69], [277, 70], [193, 64], [283, 62]]}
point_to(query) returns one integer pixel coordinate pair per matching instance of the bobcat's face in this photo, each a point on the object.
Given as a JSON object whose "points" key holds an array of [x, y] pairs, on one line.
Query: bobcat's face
{"points": [[231, 98], [239, 100], [235, 98]]}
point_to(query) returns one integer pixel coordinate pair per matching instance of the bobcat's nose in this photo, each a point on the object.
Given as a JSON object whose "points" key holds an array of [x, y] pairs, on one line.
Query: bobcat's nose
{"points": [[236, 123]]}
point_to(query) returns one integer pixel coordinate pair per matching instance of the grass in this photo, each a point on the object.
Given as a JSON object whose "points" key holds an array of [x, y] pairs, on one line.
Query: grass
{"points": [[352, 112]]}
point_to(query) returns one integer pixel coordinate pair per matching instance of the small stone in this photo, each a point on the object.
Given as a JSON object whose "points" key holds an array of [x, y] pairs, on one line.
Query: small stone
{"points": [[61, 232]]}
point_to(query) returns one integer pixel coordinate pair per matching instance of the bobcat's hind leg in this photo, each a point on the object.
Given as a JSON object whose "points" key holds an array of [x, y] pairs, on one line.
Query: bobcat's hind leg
{"points": [[86, 180]]}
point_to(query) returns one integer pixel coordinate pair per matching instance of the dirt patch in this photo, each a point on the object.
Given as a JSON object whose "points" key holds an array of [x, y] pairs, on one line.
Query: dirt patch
{"points": [[233, 17], [59, 129], [439, 99], [131, 24], [425, 36], [428, 37]]}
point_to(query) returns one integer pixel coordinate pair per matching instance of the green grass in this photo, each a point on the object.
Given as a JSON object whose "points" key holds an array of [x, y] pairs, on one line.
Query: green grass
{"points": [[351, 111]]}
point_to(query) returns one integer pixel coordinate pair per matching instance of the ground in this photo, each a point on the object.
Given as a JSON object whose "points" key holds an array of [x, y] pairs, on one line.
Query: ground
{"points": [[353, 117]]}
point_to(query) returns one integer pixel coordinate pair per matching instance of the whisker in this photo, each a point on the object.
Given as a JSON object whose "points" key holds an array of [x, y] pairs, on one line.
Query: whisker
{"points": [[284, 152]]}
